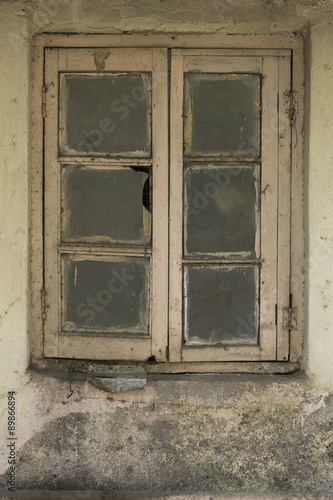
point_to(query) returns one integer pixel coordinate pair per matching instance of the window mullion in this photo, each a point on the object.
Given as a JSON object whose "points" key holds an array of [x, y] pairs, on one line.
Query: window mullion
{"points": [[176, 202], [159, 292]]}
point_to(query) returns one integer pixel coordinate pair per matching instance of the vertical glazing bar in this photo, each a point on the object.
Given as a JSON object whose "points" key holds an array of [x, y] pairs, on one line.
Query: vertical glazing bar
{"points": [[269, 173], [176, 215], [159, 309]]}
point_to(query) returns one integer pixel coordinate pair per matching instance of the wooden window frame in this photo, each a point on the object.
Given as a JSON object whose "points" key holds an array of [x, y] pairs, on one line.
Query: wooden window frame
{"points": [[57, 342], [283, 50]]}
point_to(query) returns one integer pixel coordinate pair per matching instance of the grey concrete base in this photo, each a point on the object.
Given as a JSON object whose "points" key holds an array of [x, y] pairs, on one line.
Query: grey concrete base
{"points": [[160, 495]]}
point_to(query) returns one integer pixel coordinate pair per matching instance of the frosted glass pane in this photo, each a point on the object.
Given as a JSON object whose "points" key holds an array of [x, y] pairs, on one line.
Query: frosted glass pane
{"points": [[221, 209], [106, 115], [221, 304], [108, 295], [107, 205], [222, 115]]}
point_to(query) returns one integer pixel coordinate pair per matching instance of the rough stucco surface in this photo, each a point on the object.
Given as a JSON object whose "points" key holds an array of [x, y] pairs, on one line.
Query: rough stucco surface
{"points": [[319, 180], [252, 16], [211, 433], [255, 433]]}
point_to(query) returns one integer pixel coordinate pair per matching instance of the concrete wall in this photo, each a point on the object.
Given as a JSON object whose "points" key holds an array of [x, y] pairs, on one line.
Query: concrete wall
{"points": [[215, 433]]}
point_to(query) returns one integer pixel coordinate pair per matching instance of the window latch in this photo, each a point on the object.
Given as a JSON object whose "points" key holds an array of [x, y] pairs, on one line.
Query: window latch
{"points": [[290, 318]]}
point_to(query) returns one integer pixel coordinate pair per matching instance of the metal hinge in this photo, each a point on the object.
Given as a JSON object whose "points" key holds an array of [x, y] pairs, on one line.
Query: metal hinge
{"points": [[43, 303], [290, 318], [44, 102]]}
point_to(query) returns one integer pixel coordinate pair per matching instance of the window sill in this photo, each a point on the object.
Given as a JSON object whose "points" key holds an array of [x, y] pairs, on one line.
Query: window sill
{"points": [[86, 368]]}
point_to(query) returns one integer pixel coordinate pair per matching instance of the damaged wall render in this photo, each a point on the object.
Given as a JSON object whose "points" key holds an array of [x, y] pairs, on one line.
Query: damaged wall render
{"points": [[200, 433]]}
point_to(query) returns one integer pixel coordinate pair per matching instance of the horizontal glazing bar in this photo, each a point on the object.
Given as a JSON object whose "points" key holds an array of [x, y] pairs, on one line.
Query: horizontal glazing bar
{"points": [[90, 250], [222, 262], [104, 162], [215, 159], [119, 333], [222, 343]]}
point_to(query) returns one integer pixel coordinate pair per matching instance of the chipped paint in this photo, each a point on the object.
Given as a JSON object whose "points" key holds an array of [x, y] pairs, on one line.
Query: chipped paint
{"points": [[99, 58]]}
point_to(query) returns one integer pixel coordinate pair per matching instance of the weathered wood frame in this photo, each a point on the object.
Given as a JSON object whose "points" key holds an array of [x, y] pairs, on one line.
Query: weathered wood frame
{"points": [[59, 343], [274, 243], [242, 45]]}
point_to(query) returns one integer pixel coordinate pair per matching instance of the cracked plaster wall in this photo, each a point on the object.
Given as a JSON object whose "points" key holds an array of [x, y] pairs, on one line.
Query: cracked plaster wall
{"points": [[242, 433]]}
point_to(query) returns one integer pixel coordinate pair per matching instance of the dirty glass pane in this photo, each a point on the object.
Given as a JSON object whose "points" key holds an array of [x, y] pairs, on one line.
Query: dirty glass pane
{"points": [[110, 294], [111, 205], [221, 209], [222, 114], [106, 115], [221, 304]]}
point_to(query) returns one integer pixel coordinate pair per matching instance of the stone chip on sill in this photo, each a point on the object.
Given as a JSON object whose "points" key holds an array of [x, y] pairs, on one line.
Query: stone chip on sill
{"points": [[119, 378]]}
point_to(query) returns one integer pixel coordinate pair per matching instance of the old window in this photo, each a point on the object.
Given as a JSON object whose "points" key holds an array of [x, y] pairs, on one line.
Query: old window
{"points": [[168, 202]]}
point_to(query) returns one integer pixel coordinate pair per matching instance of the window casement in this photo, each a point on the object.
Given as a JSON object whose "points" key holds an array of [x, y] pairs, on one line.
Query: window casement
{"points": [[171, 220]]}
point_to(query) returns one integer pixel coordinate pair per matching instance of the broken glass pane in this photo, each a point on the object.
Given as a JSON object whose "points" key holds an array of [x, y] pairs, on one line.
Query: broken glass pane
{"points": [[221, 209], [109, 295], [108, 114], [222, 114], [221, 304], [106, 205]]}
